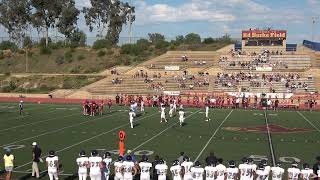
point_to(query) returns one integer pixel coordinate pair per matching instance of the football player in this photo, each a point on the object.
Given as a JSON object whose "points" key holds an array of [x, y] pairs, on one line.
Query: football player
{"points": [[261, 173], [221, 170], [246, 170], [186, 168], [142, 105], [82, 162], [171, 110], [118, 169], [174, 105], [307, 173], [232, 171], [294, 171], [52, 162], [207, 112], [21, 107], [176, 170], [161, 169], [181, 116], [211, 171], [145, 167], [267, 168], [163, 114], [101, 108], [197, 171], [131, 115], [106, 162], [129, 169], [277, 172], [95, 164], [110, 105]]}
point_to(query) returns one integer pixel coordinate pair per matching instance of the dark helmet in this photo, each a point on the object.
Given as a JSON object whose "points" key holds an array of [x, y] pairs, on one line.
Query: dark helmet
{"points": [[129, 158], [186, 158], [261, 166], [245, 160], [220, 160], [51, 153], [145, 158], [107, 155], [211, 163], [120, 158], [264, 162], [294, 164], [175, 163], [232, 164], [306, 166], [82, 153], [161, 161], [197, 164], [94, 153], [279, 164], [250, 160]]}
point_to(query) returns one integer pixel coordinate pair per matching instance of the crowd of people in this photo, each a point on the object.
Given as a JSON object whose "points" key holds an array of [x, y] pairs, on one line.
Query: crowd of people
{"points": [[93, 108]]}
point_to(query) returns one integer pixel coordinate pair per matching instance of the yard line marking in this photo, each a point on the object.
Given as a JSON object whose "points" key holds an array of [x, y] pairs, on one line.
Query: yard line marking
{"points": [[270, 140], [162, 132], [315, 127], [89, 139], [215, 132], [54, 131]]}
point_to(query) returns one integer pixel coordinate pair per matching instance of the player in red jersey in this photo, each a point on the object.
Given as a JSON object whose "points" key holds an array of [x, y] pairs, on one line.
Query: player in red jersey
{"points": [[93, 108], [101, 107], [84, 108], [109, 105]]}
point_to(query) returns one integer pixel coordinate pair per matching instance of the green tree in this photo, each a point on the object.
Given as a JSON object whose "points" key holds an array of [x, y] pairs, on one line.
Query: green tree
{"points": [[156, 37], [68, 19], [77, 39], [143, 44], [27, 42], [193, 38], [208, 40]]}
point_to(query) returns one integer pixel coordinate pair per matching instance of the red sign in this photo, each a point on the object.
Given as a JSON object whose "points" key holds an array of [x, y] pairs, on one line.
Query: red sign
{"points": [[264, 34], [122, 135]]}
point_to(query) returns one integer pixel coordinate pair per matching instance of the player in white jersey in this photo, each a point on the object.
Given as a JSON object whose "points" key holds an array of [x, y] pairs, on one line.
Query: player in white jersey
{"points": [[163, 114], [106, 162], [261, 173], [145, 167], [82, 162], [118, 169], [221, 170], [211, 171], [174, 105], [246, 170], [307, 173], [186, 168], [294, 171], [207, 112], [181, 116], [95, 164], [52, 162], [232, 171], [129, 169], [171, 110], [21, 107], [161, 169], [142, 105], [197, 171], [277, 172], [267, 168], [131, 116], [176, 170]]}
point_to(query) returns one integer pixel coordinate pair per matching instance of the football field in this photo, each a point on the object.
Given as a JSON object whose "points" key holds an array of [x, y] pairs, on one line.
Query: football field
{"points": [[231, 134]]}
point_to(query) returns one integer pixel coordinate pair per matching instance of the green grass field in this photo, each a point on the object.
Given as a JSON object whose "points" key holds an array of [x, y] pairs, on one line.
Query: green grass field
{"points": [[62, 128]]}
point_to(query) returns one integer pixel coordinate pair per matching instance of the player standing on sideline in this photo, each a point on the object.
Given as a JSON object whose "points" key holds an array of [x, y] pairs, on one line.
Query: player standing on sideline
{"points": [[36, 158], [261, 174], [163, 114], [176, 170], [8, 159], [118, 169], [266, 167], [110, 105], [95, 164], [106, 162], [197, 171], [129, 169], [277, 172], [21, 107], [210, 171], [82, 162], [294, 171], [181, 116], [131, 115], [221, 170], [161, 169], [52, 165], [171, 110], [145, 168], [246, 170], [254, 166], [186, 168], [101, 108], [207, 112], [307, 173], [174, 105], [142, 106], [232, 171]]}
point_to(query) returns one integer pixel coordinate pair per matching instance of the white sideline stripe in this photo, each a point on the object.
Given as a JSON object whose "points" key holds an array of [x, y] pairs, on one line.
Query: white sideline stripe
{"points": [[89, 139], [215, 132], [315, 127], [27, 124], [57, 130], [25, 172], [270, 140], [162, 132]]}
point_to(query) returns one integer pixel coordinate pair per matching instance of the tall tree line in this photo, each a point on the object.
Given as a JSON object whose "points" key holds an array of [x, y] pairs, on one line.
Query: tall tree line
{"points": [[105, 16]]}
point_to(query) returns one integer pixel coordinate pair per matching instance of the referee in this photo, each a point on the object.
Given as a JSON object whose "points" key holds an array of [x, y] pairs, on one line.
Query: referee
{"points": [[36, 158]]}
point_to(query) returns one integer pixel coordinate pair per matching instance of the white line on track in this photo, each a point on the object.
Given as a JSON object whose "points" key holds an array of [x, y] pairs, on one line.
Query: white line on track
{"points": [[56, 130], [215, 132], [89, 139], [306, 119], [161, 132]]}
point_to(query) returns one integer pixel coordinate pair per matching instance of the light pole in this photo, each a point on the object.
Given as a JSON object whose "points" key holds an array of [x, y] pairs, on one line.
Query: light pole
{"points": [[314, 21], [130, 23]]}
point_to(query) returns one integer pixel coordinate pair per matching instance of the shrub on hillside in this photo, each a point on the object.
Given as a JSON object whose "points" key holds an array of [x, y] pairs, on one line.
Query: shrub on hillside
{"points": [[131, 49], [57, 45], [1, 54], [162, 44], [109, 52], [77, 39], [81, 57], [27, 42], [101, 43], [7, 45], [209, 40], [45, 50], [42, 42], [59, 60], [101, 53], [68, 56], [192, 38], [143, 44]]}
